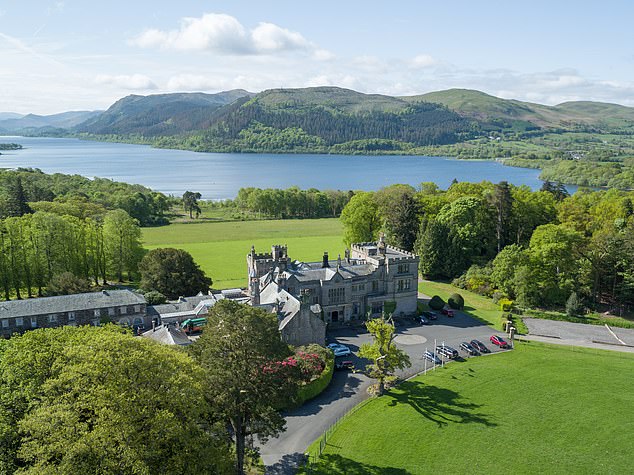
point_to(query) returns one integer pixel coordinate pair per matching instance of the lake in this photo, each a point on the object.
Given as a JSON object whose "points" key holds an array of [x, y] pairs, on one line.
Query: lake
{"points": [[221, 175]]}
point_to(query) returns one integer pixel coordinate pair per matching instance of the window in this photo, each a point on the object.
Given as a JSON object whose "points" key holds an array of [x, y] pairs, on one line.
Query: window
{"points": [[354, 288], [97, 313], [315, 299], [403, 268], [361, 287], [375, 286], [377, 307], [110, 311], [33, 322], [336, 295], [52, 318], [5, 323], [19, 322], [403, 285], [355, 308], [123, 310], [137, 309], [71, 316]]}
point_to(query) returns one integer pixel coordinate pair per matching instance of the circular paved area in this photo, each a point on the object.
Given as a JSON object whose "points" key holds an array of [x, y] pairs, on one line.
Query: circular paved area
{"points": [[410, 339]]}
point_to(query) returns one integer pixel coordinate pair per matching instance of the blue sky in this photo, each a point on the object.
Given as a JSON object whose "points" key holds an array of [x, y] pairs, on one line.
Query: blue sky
{"points": [[71, 55]]}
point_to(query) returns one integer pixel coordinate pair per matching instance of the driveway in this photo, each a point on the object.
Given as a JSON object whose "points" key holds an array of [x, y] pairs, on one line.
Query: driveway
{"points": [[580, 334], [306, 424]]}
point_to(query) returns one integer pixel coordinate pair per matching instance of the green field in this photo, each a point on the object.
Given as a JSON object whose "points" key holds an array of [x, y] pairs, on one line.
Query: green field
{"points": [[476, 305], [221, 248], [536, 409]]}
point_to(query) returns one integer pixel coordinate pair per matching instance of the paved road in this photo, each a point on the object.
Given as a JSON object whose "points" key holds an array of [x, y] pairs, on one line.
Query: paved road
{"points": [[307, 423], [580, 334]]}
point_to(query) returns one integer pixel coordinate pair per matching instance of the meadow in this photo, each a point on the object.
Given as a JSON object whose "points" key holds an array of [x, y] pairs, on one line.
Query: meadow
{"points": [[220, 248], [536, 409]]}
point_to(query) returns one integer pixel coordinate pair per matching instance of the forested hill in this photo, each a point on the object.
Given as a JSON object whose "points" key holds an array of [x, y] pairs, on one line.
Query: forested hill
{"points": [[510, 113], [160, 114]]}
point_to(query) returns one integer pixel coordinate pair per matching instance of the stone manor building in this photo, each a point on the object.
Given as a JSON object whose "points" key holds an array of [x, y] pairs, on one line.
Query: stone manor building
{"points": [[369, 275]]}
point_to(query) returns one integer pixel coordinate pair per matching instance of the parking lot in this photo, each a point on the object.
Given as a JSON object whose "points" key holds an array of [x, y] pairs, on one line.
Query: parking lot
{"points": [[414, 339]]}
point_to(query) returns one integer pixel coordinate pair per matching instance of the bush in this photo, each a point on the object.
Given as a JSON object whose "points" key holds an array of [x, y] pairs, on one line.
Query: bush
{"points": [[155, 298], [573, 305], [436, 303], [456, 301], [505, 304], [317, 385], [497, 296]]}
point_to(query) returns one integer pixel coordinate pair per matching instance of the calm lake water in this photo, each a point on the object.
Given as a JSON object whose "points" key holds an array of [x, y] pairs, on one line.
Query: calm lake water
{"points": [[220, 175]]}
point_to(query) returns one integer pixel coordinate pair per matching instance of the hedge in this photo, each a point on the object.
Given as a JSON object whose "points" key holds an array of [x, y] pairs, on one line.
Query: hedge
{"points": [[317, 385], [456, 301]]}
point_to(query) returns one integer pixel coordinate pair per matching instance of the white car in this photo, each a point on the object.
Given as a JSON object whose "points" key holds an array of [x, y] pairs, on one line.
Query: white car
{"points": [[339, 349]]}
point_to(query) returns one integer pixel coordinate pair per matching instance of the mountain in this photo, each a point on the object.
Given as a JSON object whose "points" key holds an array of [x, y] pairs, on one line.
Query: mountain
{"points": [[33, 123], [10, 115], [160, 114], [495, 110]]}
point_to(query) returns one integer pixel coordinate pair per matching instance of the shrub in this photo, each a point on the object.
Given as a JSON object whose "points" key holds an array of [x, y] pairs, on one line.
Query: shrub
{"points": [[456, 301], [573, 305], [317, 385], [497, 296], [505, 304], [436, 303], [154, 297]]}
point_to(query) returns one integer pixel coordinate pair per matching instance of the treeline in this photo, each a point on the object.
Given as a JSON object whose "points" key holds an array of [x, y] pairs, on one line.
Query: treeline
{"points": [[37, 248], [537, 247], [78, 196], [10, 146], [293, 202]]}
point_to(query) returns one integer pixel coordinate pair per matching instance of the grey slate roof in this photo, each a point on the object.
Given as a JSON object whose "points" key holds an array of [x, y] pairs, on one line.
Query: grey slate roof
{"points": [[310, 272], [168, 335], [186, 304], [69, 303]]}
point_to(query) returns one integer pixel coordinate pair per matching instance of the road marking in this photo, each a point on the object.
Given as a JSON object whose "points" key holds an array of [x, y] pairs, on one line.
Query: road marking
{"points": [[614, 335]]}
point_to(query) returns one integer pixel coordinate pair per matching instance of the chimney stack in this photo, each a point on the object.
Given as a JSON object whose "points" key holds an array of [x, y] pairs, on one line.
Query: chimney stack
{"points": [[325, 262]]}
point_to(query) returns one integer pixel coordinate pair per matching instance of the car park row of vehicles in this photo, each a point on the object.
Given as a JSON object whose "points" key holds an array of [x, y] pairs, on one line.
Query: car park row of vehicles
{"points": [[471, 348]]}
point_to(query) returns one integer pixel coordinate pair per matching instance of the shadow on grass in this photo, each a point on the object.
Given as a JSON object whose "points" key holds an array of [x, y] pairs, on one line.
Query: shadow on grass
{"points": [[333, 464], [439, 405]]}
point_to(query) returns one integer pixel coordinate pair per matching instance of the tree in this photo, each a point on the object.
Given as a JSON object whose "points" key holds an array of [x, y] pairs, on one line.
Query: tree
{"points": [[16, 202], [67, 283], [502, 203], [385, 356], [122, 238], [90, 403], [173, 273], [399, 213], [246, 377], [360, 218], [190, 203], [573, 305]]}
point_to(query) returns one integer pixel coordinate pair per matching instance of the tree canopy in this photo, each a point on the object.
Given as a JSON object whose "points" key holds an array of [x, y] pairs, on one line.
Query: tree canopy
{"points": [[173, 273]]}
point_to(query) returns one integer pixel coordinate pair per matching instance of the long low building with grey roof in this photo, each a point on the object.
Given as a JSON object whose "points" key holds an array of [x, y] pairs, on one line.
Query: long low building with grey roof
{"points": [[119, 306]]}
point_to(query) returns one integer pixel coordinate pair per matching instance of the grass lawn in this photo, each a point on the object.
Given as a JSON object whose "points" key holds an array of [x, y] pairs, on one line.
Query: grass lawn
{"points": [[221, 248], [536, 409], [475, 305]]}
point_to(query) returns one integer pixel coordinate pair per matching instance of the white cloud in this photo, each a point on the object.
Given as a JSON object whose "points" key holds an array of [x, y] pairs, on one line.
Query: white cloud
{"points": [[124, 81], [422, 61], [224, 34]]}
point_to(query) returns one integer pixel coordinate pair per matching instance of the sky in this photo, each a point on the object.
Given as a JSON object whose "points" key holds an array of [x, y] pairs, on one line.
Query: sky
{"points": [[65, 55]]}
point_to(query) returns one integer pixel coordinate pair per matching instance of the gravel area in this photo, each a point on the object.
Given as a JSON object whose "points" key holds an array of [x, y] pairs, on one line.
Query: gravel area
{"points": [[577, 331]]}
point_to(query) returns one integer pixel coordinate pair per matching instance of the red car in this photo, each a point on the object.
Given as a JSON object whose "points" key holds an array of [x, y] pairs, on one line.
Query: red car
{"points": [[499, 341], [448, 312]]}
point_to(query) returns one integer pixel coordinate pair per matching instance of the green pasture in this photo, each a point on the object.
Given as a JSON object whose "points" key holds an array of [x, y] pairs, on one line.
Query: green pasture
{"points": [[221, 248], [535, 409]]}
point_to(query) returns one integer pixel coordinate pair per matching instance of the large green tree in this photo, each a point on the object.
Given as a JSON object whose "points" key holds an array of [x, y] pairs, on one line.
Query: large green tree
{"points": [[122, 242], [98, 400], [361, 219], [173, 273], [247, 376]]}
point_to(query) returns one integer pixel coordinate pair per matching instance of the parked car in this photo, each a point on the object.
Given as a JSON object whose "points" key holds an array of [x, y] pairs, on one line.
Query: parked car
{"points": [[447, 311], [499, 341], [447, 351], [429, 315], [469, 348], [431, 356], [423, 321], [339, 349], [345, 365], [478, 345]]}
